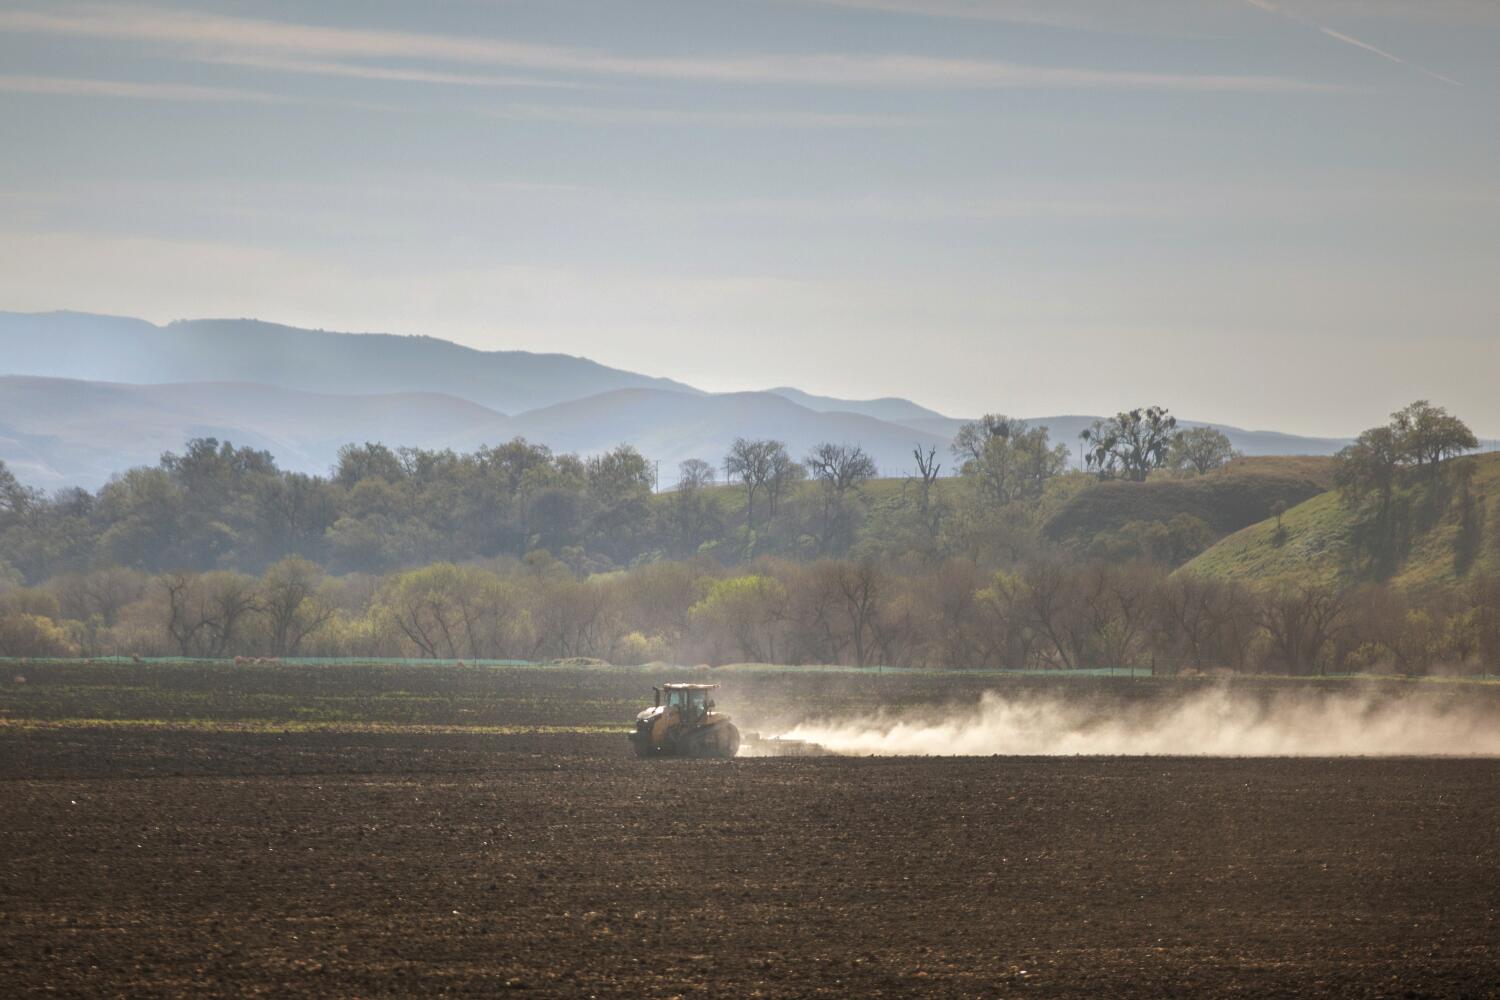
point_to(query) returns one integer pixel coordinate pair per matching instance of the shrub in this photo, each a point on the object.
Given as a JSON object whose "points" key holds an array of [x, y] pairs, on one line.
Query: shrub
{"points": [[23, 634]]}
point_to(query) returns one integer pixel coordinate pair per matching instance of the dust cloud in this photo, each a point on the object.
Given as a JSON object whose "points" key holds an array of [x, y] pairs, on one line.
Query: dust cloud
{"points": [[1220, 721]]}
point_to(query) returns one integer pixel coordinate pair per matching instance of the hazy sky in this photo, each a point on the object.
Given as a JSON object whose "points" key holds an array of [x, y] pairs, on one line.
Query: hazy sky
{"points": [[1264, 213]]}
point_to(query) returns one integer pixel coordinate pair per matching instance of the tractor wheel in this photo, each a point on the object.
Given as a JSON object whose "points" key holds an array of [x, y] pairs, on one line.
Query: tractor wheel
{"points": [[722, 740], [641, 743], [729, 740], [698, 744]]}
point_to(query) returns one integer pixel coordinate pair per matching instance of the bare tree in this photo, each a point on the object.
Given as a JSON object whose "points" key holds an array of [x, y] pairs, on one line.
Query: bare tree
{"points": [[750, 463], [784, 473], [862, 586], [99, 593], [1201, 622], [184, 619], [695, 474], [1302, 621], [928, 468], [291, 608], [899, 627], [1047, 595], [839, 469], [205, 612], [1116, 602], [950, 591]]}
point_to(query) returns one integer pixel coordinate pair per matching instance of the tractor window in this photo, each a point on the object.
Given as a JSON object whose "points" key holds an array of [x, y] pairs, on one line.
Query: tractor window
{"points": [[678, 698]]}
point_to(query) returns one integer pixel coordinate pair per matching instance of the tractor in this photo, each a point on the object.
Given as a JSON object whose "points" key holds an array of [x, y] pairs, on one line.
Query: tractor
{"points": [[683, 723]]}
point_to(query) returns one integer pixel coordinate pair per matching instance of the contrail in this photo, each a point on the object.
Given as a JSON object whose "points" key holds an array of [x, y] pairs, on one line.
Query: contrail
{"points": [[1339, 36], [1385, 55]]}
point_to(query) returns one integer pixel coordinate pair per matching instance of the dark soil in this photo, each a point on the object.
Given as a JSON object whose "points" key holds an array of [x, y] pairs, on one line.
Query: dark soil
{"points": [[140, 862]]}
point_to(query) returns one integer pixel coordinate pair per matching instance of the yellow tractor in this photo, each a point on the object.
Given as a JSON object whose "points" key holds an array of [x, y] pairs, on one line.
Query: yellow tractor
{"points": [[683, 723]]}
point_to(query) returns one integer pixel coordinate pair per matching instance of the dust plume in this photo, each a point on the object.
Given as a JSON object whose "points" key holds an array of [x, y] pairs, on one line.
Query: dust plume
{"points": [[1219, 721]]}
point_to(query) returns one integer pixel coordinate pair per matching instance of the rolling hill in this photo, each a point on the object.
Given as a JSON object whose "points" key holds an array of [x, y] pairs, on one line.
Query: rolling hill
{"points": [[1314, 547], [1226, 501]]}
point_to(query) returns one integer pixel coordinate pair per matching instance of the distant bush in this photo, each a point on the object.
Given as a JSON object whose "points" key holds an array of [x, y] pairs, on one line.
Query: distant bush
{"points": [[22, 634]]}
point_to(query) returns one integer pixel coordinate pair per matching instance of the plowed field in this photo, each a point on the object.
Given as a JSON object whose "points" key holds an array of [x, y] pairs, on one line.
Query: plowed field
{"points": [[162, 858]]}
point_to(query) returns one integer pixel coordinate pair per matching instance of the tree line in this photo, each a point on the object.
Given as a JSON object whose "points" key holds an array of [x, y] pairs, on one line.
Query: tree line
{"points": [[1046, 615], [218, 506], [513, 552]]}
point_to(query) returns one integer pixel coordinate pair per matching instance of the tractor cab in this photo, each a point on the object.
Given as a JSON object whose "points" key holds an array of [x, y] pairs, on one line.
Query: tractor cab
{"points": [[692, 701]]}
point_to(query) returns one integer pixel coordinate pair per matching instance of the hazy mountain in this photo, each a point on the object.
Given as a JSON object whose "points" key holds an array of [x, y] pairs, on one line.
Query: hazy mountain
{"points": [[63, 432], [890, 408], [672, 426], [302, 393], [943, 427], [117, 349]]}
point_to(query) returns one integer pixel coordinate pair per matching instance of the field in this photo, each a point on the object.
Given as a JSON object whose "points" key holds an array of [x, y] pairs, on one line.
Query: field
{"points": [[392, 831]]}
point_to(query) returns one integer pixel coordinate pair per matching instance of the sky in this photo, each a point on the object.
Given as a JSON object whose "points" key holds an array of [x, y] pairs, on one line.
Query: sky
{"points": [[1270, 213]]}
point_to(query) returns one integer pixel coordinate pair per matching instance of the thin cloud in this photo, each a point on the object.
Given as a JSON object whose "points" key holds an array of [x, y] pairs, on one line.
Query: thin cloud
{"points": [[213, 36], [77, 87], [1022, 12], [1339, 36], [1115, 17], [357, 71], [593, 115]]}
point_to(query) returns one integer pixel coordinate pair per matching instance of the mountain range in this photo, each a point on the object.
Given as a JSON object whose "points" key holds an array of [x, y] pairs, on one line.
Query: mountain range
{"points": [[85, 396]]}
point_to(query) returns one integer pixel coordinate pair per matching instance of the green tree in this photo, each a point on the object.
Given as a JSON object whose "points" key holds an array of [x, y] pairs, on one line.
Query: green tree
{"points": [[747, 612], [619, 494], [1428, 435], [1200, 450], [450, 612], [1367, 474], [368, 461], [1132, 444], [1006, 459], [691, 518]]}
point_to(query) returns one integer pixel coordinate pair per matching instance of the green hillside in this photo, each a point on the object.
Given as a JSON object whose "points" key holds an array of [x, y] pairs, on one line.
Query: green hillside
{"points": [[1315, 543], [1226, 501]]}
